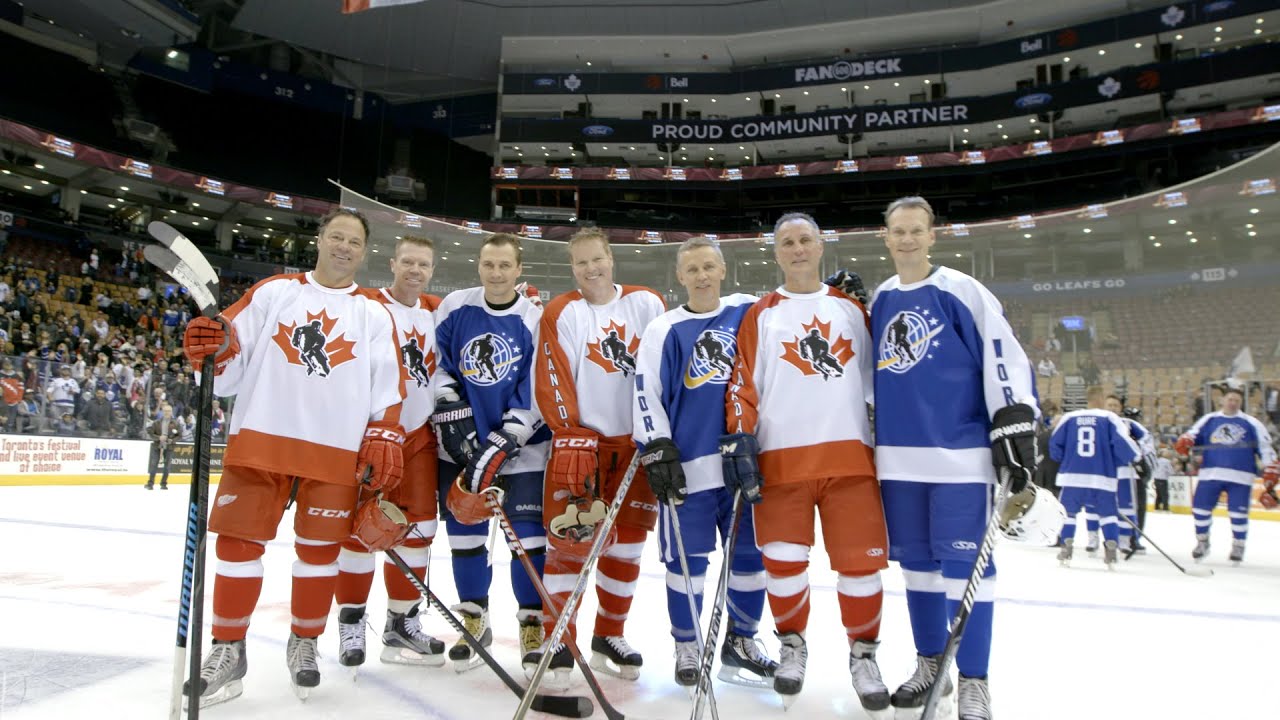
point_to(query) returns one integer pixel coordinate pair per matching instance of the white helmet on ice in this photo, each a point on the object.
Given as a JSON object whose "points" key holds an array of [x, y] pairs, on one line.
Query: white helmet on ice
{"points": [[1033, 516]]}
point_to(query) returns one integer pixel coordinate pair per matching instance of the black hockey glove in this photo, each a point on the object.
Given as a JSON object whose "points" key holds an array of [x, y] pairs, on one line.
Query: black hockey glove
{"points": [[485, 468], [456, 430], [850, 284], [661, 461], [1013, 443], [738, 453]]}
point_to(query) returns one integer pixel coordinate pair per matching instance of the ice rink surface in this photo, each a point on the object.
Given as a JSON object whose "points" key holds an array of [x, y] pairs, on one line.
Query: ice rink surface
{"points": [[89, 580]]}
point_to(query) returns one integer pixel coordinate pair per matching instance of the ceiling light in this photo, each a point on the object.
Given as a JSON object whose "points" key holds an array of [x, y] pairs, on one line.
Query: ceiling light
{"points": [[685, 100], [1253, 233], [44, 182], [1173, 221], [111, 206], [999, 126], [455, 242], [806, 92], [1004, 137], [588, 63], [1217, 39], [604, 147], [748, 98], [39, 166], [269, 218], [26, 187], [1033, 121], [1026, 235], [896, 83], [1151, 237], [1192, 240], [194, 204], [1248, 226], [84, 192], [1190, 233], [746, 157], [1257, 31], [633, 147], [964, 141], [1178, 36], [866, 87], [195, 222], [124, 188], [1087, 231], [544, 147], [1037, 131], [1259, 21], [927, 81], [1137, 45], [881, 257], [713, 99], [1102, 52], [1066, 59], [1155, 244], [965, 130], [1218, 29], [1253, 211]]}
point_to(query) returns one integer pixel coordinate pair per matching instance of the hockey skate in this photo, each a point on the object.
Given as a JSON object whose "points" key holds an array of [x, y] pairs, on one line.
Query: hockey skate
{"points": [[1092, 547], [531, 634], [1064, 555], [1237, 552], [867, 682], [221, 674], [304, 671], [788, 678], [476, 620], [1202, 548], [614, 656], [908, 699], [1110, 553], [351, 638], [975, 699], [743, 662], [688, 667], [404, 643], [559, 672]]}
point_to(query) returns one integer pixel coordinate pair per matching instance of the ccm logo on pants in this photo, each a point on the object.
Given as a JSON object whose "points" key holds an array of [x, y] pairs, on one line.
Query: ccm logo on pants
{"points": [[328, 512]]}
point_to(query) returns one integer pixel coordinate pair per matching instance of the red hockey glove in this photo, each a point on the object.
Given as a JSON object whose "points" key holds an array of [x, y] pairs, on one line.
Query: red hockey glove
{"points": [[1268, 499], [531, 292], [1184, 445], [575, 461], [381, 456], [210, 336], [1271, 475]]}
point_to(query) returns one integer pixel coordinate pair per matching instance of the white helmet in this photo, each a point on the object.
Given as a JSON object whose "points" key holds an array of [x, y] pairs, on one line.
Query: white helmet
{"points": [[1033, 516]]}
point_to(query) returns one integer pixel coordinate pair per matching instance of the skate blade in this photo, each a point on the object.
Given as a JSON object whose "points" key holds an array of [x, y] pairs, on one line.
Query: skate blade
{"points": [[743, 677], [603, 664], [885, 714], [915, 713], [1064, 563], [788, 700], [302, 692], [470, 663], [232, 690], [405, 656]]}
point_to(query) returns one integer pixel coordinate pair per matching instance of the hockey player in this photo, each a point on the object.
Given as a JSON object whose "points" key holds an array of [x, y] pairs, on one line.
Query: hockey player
{"points": [[802, 423], [586, 381], [685, 363], [1232, 443], [940, 334], [403, 640], [1127, 493], [489, 430], [1088, 451], [297, 436]]}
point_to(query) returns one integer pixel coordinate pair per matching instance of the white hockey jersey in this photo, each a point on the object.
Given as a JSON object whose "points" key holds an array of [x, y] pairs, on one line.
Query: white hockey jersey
{"points": [[682, 370], [316, 365], [801, 383], [489, 354], [1146, 447], [416, 338], [587, 361], [946, 360]]}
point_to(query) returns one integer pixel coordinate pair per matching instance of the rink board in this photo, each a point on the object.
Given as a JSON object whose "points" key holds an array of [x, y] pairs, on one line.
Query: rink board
{"points": [[50, 460]]}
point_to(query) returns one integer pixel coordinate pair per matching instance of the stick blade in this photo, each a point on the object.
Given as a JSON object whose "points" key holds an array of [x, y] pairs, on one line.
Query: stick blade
{"points": [[1197, 571], [181, 245], [204, 295], [565, 706]]}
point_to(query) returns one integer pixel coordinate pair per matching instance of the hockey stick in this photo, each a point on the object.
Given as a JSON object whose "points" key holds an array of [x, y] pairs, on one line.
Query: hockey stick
{"points": [[571, 604], [572, 706], [980, 564], [1193, 571], [703, 690], [717, 610], [513, 544], [202, 286]]}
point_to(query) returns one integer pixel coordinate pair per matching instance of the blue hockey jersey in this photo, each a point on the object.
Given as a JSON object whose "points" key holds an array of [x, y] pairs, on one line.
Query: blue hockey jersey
{"points": [[946, 360], [1092, 446], [490, 354], [682, 368], [1233, 444]]}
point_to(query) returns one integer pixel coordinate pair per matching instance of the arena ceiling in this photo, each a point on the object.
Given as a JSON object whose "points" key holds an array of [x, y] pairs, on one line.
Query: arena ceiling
{"points": [[440, 48]]}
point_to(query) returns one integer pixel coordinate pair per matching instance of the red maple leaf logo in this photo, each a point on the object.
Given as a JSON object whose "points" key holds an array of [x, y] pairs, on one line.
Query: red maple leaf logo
{"points": [[336, 351], [622, 351], [828, 363]]}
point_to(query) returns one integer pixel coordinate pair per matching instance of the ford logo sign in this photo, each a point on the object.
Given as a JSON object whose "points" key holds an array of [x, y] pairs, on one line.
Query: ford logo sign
{"points": [[545, 83], [1034, 100], [597, 130]]}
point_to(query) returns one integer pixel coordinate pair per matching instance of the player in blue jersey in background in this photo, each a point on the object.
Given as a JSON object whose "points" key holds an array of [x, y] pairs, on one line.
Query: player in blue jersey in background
{"points": [[1232, 443], [1127, 492], [949, 377], [683, 366], [1088, 451], [490, 431]]}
